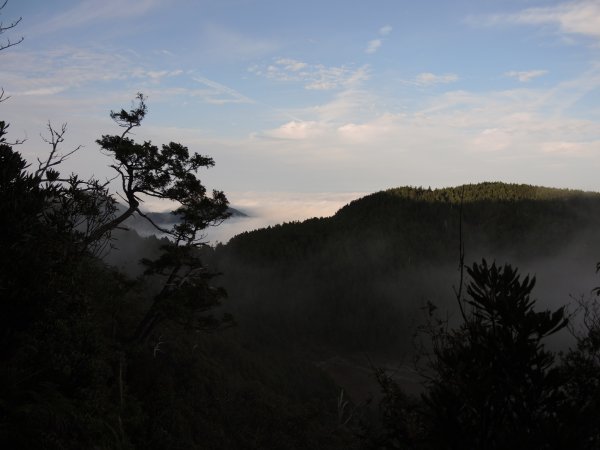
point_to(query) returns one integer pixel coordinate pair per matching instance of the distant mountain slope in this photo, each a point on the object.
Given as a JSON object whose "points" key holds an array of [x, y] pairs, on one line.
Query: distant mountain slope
{"points": [[423, 223], [356, 280]]}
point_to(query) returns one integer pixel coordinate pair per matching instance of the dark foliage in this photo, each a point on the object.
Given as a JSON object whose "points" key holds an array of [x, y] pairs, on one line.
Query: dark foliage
{"points": [[355, 281], [92, 359], [492, 384]]}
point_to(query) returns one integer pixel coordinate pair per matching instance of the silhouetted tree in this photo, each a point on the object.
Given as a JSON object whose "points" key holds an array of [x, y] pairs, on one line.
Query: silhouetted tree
{"points": [[494, 385], [63, 378], [168, 173], [580, 371], [491, 384]]}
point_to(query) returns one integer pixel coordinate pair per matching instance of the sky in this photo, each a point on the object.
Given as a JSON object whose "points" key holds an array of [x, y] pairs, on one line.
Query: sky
{"points": [[306, 105]]}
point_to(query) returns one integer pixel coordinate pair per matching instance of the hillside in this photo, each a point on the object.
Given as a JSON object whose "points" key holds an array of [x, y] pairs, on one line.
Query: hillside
{"points": [[356, 281], [503, 216], [338, 294]]}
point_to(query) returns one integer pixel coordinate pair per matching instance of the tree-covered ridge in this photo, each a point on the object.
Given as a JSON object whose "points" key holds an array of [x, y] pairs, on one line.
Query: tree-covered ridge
{"points": [[362, 280], [422, 223], [383, 255], [488, 191]]}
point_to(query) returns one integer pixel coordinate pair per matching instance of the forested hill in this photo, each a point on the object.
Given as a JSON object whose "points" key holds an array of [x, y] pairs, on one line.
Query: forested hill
{"points": [[358, 277], [410, 225]]}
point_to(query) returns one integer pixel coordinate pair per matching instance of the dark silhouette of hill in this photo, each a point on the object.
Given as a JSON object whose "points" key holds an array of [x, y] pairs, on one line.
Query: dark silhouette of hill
{"points": [[356, 281]]}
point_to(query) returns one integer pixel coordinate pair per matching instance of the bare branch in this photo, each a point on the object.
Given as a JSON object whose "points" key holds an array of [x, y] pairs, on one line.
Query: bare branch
{"points": [[159, 228], [4, 28], [54, 158], [3, 127]]}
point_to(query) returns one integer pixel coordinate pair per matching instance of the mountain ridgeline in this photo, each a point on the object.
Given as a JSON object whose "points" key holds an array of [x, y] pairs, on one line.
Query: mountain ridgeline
{"points": [[414, 225], [356, 281]]}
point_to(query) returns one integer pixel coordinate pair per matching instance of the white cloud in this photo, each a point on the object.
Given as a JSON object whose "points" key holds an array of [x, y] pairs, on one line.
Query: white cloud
{"points": [[296, 130], [430, 79], [271, 208], [221, 94], [373, 45], [312, 76], [492, 140], [581, 17], [292, 205], [520, 135], [89, 11], [50, 90], [385, 30], [291, 65], [525, 76], [351, 104], [68, 69], [337, 77], [577, 17], [88, 72], [219, 43], [159, 74], [571, 148], [35, 73], [353, 143], [378, 130]]}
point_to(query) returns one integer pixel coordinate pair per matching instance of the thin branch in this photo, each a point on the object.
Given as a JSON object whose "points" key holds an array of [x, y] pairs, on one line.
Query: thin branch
{"points": [[54, 158], [162, 230], [11, 25], [8, 43], [461, 256], [107, 227]]}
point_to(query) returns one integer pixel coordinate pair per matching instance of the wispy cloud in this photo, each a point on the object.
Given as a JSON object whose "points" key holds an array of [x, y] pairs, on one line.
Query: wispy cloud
{"points": [[49, 90], [48, 72], [430, 79], [582, 17], [222, 94], [373, 45], [158, 75], [89, 11], [291, 65], [212, 92], [385, 30], [578, 17], [221, 43], [571, 148], [312, 76], [296, 130], [491, 130], [270, 208], [525, 76]]}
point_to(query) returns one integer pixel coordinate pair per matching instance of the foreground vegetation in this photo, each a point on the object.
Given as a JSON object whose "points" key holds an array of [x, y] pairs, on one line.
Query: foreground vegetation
{"points": [[93, 357]]}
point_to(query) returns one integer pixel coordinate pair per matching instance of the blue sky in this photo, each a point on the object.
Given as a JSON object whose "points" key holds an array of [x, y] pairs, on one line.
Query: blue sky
{"points": [[305, 105]]}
